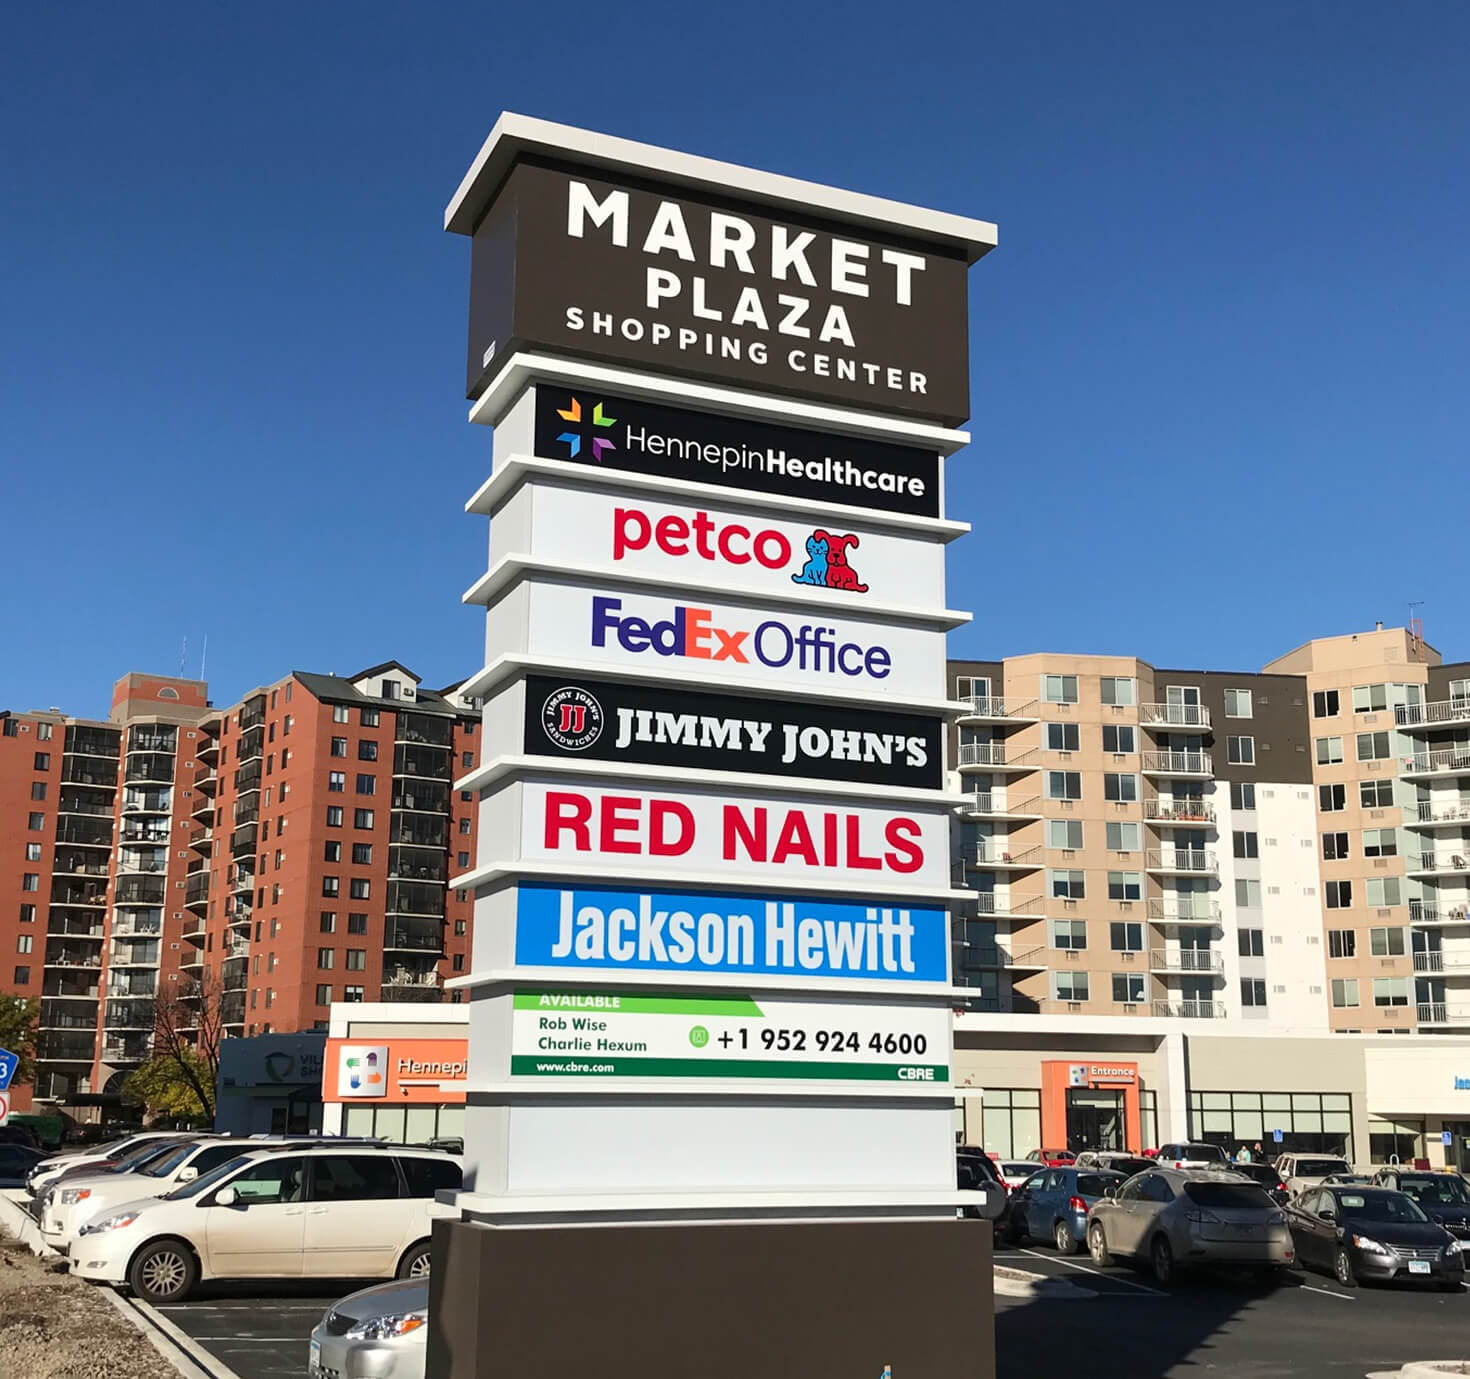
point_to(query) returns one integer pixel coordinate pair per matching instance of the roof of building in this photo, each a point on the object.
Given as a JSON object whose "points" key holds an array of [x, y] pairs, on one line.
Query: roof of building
{"points": [[335, 689]]}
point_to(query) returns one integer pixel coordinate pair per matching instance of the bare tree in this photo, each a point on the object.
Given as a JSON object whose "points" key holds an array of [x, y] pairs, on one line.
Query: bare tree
{"points": [[187, 1026]]}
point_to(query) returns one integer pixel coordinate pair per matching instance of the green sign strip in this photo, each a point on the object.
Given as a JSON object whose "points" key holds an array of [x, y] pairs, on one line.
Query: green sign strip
{"points": [[610, 1003], [529, 1065]]}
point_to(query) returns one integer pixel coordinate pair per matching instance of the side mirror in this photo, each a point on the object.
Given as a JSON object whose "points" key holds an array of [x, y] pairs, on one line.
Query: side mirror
{"points": [[187, 1175], [1327, 1214], [225, 1197]]}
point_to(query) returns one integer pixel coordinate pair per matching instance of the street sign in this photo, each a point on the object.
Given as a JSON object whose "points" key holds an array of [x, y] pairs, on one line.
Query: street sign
{"points": [[1447, 1137], [1276, 1136], [9, 1062], [4, 1107]]}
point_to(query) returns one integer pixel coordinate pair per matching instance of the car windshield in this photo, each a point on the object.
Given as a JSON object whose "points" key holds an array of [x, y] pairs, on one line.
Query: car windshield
{"points": [[205, 1181], [1436, 1191], [1203, 1151], [165, 1164], [134, 1162], [1320, 1168], [1097, 1184], [1378, 1206], [1227, 1195]]}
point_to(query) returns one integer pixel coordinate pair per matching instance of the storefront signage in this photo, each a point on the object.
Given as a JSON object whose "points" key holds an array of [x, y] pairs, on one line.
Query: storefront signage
{"points": [[646, 725], [827, 562], [402, 1070], [685, 934], [603, 1034], [597, 429], [669, 279], [675, 831], [698, 638], [1099, 1074], [1462, 1084]]}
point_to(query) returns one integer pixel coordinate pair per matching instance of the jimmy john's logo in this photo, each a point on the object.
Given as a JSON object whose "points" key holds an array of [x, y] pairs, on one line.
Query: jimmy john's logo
{"points": [[571, 718]]}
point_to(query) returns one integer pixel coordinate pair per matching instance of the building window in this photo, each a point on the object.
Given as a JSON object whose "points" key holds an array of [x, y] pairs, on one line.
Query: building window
{"points": [[357, 922], [1125, 937], [1242, 794], [22, 976], [1128, 987], [326, 959], [334, 816], [367, 785], [43, 761], [1342, 943], [458, 962], [1344, 992], [38, 790], [1117, 690], [1064, 833], [1325, 704], [1240, 751], [466, 760], [1069, 933], [1238, 703], [1390, 991], [352, 993], [339, 746], [360, 888], [1334, 847], [1384, 891], [1119, 738], [336, 781], [1339, 895], [329, 921], [36, 822], [30, 881], [1380, 842], [331, 886], [1386, 943], [27, 914], [1373, 746], [1252, 943], [1125, 885], [333, 852], [1395, 1141], [25, 943], [1331, 798], [1252, 991], [459, 928], [1245, 844], [1120, 787], [1375, 794], [341, 713], [1064, 785], [324, 995], [1070, 986], [1369, 698], [367, 750], [1066, 885], [462, 860], [357, 959], [33, 851], [464, 825], [1010, 1122], [1059, 689], [362, 818], [362, 854], [1062, 737], [286, 726], [1329, 751], [1122, 837], [368, 718]]}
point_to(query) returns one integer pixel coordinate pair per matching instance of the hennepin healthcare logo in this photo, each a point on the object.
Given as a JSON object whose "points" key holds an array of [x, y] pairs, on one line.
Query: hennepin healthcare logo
{"points": [[572, 718], [573, 439]]}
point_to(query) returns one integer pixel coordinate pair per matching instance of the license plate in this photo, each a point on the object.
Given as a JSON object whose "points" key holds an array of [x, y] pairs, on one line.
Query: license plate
{"points": [[315, 1359], [1418, 1266]]}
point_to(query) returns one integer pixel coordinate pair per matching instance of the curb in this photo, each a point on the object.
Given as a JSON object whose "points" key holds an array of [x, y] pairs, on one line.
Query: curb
{"points": [[17, 1221], [1023, 1283], [186, 1356]]}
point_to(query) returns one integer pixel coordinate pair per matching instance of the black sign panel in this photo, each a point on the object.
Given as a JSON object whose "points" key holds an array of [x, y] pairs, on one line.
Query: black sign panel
{"points": [[592, 428], [603, 720], [653, 275]]}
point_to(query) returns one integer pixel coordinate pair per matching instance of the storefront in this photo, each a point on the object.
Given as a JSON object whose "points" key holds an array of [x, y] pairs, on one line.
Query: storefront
{"points": [[270, 1084], [1420, 1099]]}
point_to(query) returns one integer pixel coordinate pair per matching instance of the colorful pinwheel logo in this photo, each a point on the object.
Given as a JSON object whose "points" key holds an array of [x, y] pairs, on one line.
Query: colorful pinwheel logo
{"points": [[573, 439]]}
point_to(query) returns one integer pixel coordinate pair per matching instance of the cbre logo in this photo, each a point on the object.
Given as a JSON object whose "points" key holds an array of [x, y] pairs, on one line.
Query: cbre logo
{"points": [[573, 439]]}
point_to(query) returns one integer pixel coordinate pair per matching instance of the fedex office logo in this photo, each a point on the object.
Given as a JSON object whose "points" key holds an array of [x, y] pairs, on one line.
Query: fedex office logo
{"points": [[692, 633]]}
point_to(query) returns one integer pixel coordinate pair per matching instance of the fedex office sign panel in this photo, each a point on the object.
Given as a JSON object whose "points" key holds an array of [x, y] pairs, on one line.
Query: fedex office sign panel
{"points": [[675, 832], [691, 636], [828, 561]]}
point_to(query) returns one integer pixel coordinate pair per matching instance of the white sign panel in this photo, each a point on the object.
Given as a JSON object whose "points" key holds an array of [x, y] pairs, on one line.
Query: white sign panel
{"points": [[637, 832], [690, 635], [725, 1038], [714, 547]]}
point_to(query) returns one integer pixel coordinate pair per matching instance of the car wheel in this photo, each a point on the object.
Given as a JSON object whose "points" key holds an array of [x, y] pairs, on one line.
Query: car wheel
{"points": [[1097, 1245], [1161, 1260], [1342, 1268], [163, 1271], [1062, 1239], [415, 1264]]}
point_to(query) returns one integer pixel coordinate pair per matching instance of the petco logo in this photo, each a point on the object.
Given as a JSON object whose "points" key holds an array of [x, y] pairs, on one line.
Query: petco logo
{"points": [[692, 632], [573, 439], [733, 543]]}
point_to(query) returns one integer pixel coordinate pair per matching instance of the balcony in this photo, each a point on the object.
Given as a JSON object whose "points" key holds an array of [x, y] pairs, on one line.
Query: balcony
{"points": [[66, 1016], [424, 730], [1181, 862], [122, 987], [1439, 961], [1172, 716], [128, 1015], [135, 925], [1432, 864], [412, 989], [233, 976], [73, 803], [202, 809], [1178, 764], [1006, 907], [89, 771], [252, 714], [232, 1008], [80, 894], [1445, 713], [149, 767], [251, 746], [431, 763], [82, 834], [1190, 1010], [192, 961], [981, 708], [995, 756], [139, 952], [1201, 912], [405, 864], [414, 898], [990, 855], [1428, 815], [139, 832], [75, 866], [244, 881], [243, 839], [1422, 913], [1441, 1013], [421, 797], [65, 1048], [1186, 960], [1179, 812], [203, 841], [147, 802], [120, 1051], [207, 750], [66, 956], [196, 889], [983, 804], [84, 926], [70, 986], [247, 778], [136, 862], [141, 890], [246, 811], [1444, 761], [974, 957], [93, 742], [418, 832], [408, 939], [207, 784], [153, 739]]}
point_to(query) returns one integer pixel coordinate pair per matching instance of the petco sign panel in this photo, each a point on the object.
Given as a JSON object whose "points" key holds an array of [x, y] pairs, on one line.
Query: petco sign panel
{"points": [[694, 637], [711, 547], [671, 832]]}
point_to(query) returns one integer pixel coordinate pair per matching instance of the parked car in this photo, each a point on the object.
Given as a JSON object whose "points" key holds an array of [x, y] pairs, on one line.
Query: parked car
{"points": [[1051, 1158], [1442, 1197], [1301, 1171], [113, 1152], [44, 1188], [1373, 1233], [1268, 1178], [16, 1163], [1115, 1161], [1014, 1172], [1347, 1180], [21, 1134], [1054, 1204], [1175, 1218], [975, 1172], [1191, 1154], [382, 1331], [283, 1212]]}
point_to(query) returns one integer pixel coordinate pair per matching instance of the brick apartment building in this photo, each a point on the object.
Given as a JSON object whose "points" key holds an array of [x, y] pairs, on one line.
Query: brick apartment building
{"points": [[289, 851]]}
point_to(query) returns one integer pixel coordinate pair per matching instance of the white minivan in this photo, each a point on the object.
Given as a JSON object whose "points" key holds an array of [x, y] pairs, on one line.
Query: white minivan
{"points": [[276, 1213]]}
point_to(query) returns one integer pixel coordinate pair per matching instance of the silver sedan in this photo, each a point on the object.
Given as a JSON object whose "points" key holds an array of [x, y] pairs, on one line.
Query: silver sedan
{"points": [[379, 1333]]}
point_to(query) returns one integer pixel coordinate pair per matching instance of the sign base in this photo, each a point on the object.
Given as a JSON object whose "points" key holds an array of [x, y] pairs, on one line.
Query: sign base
{"points": [[825, 1300]]}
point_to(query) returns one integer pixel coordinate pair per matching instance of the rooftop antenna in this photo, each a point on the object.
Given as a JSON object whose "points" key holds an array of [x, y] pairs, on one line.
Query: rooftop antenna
{"points": [[183, 656], [1416, 626], [203, 655]]}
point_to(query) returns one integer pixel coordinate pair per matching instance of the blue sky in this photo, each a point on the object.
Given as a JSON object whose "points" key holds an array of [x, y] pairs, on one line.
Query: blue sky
{"points": [[1219, 359]]}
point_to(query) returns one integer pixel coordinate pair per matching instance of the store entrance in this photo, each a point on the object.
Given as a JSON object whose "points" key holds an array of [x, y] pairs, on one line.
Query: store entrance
{"points": [[1457, 1151], [1095, 1120]]}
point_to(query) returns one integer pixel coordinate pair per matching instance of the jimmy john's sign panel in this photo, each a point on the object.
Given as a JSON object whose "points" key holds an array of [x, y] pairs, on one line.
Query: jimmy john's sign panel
{"points": [[638, 272], [648, 725]]}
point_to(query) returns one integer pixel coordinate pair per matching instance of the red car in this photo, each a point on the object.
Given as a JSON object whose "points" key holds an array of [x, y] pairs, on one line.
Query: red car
{"points": [[1052, 1158]]}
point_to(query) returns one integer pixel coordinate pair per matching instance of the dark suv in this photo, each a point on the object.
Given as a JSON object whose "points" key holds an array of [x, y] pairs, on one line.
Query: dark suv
{"points": [[1443, 1197], [975, 1172]]}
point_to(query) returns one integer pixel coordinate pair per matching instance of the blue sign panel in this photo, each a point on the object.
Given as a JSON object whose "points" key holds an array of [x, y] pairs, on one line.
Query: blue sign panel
{"points": [[1276, 1137], [1447, 1137], [676, 931], [9, 1062]]}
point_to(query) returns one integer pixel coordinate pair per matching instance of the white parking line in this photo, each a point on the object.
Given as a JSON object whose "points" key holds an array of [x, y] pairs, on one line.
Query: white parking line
{"points": [[1341, 1297], [1112, 1278]]}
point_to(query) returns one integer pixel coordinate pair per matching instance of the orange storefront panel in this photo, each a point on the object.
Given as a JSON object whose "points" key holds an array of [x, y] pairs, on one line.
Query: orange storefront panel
{"points": [[395, 1070]]}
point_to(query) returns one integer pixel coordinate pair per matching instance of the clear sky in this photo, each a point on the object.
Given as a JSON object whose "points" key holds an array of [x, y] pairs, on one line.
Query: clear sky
{"points": [[1220, 396]]}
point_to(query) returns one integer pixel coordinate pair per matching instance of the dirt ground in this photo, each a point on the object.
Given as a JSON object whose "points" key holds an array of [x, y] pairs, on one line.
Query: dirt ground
{"points": [[53, 1326]]}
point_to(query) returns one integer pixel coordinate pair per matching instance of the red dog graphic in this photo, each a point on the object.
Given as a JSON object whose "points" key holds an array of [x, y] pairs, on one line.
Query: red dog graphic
{"points": [[841, 575]]}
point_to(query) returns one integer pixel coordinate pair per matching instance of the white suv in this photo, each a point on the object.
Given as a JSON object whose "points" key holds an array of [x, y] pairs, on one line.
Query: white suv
{"points": [[287, 1212]]}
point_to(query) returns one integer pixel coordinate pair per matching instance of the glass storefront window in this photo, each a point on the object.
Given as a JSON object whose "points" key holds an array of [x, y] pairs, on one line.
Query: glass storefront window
{"points": [[1148, 1118], [404, 1124], [1310, 1122], [1011, 1121], [1395, 1141]]}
